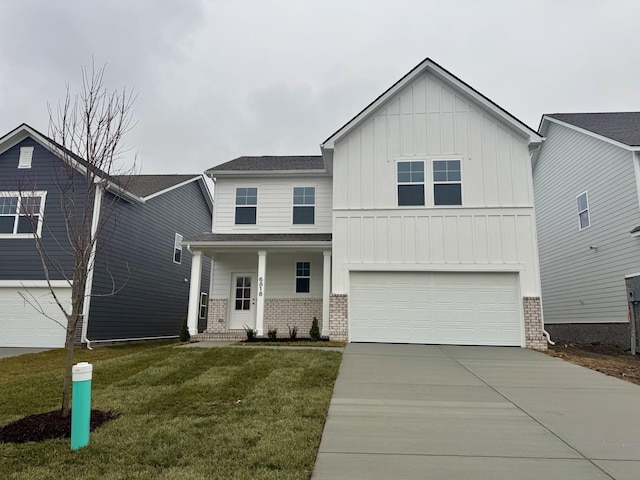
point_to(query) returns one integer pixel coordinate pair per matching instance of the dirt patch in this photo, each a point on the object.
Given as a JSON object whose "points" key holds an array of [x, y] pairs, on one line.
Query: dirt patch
{"points": [[609, 359], [47, 426]]}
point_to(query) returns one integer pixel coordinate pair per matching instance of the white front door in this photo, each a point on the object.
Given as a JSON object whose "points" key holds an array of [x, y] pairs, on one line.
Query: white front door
{"points": [[243, 301]]}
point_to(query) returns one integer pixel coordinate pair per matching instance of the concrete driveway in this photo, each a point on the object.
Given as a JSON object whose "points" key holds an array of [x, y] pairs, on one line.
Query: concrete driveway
{"points": [[447, 412], [6, 352]]}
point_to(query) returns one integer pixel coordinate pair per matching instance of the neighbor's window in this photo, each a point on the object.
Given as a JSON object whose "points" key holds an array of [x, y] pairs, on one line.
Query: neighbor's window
{"points": [[304, 205], [447, 182], [583, 211], [410, 183], [177, 248], [21, 214], [303, 277], [246, 205], [202, 311]]}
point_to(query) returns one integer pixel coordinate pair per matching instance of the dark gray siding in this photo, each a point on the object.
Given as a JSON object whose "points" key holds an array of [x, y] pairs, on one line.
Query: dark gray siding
{"points": [[19, 259], [581, 284], [153, 295]]}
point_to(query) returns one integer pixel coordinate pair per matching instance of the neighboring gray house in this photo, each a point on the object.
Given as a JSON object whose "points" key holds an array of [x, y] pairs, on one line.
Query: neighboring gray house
{"points": [[139, 251], [586, 176]]}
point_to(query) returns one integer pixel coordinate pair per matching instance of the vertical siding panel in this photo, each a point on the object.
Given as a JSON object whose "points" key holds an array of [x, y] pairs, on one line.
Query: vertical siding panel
{"points": [[382, 239], [481, 237], [467, 248], [395, 240], [420, 95], [490, 167], [504, 168], [341, 175], [384, 169], [367, 173], [451, 240], [424, 244], [407, 134], [474, 190], [409, 239], [355, 169], [355, 239], [462, 133], [393, 138], [448, 133], [495, 239], [510, 239], [437, 239], [368, 239]]}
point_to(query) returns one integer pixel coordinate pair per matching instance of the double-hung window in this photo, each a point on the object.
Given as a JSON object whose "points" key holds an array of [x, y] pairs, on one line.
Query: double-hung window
{"points": [[447, 182], [304, 205], [303, 277], [583, 211], [246, 205], [177, 248], [21, 213], [410, 183]]}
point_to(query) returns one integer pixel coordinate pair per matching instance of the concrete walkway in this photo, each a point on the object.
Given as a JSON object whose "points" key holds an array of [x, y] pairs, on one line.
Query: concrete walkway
{"points": [[447, 412]]}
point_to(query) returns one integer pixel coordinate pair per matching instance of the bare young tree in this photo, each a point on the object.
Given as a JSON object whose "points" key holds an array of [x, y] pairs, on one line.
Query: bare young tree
{"points": [[87, 131]]}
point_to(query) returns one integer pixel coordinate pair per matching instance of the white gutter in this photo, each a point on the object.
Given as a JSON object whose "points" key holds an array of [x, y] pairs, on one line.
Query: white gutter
{"points": [[97, 205]]}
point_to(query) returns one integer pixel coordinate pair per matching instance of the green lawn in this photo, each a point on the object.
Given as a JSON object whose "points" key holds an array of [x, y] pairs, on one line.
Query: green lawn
{"points": [[184, 413]]}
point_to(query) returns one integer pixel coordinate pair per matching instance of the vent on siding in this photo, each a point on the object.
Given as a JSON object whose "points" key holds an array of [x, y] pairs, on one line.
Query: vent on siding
{"points": [[26, 153]]}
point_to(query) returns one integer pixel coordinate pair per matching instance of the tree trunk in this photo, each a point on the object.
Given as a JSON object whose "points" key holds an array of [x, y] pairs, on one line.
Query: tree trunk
{"points": [[68, 367]]}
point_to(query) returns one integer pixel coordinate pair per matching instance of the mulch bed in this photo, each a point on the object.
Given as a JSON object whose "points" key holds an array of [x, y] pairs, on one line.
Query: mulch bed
{"points": [[283, 340], [47, 426]]}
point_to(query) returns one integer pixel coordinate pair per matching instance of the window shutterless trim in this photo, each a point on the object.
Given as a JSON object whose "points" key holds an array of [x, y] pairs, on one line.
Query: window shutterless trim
{"points": [[450, 179], [202, 306], [585, 210], [303, 206], [410, 178], [246, 206], [177, 249], [303, 277], [16, 215]]}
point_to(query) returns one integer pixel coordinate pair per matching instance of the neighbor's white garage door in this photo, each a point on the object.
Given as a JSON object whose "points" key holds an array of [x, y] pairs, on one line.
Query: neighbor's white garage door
{"points": [[21, 325], [434, 307]]}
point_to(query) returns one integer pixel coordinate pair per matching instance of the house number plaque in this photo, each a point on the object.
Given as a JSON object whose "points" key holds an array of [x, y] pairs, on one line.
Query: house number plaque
{"points": [[260, 285]]}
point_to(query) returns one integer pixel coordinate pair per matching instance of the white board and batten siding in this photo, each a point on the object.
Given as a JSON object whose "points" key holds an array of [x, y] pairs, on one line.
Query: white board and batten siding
{"points": [[493, 230], [275, 204], [581, 284]]}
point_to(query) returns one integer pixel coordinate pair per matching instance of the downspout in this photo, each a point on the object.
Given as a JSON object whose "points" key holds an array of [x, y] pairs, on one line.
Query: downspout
{"points": [[97, 205], [546, 334]]}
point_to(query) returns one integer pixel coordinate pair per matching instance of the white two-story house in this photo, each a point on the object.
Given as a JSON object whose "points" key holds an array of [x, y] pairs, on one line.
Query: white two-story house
{"points": [[415, 225]]}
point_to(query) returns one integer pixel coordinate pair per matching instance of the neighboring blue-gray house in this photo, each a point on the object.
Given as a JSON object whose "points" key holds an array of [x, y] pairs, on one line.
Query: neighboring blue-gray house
{"points": [[140, 284], [586, 176]]}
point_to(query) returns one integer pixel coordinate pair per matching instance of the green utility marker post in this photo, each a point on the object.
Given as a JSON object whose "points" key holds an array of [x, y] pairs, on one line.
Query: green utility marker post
{"points": [[81, 405]]}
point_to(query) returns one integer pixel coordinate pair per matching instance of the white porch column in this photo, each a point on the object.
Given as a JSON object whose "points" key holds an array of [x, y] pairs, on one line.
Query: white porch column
{"points": [[262, 269], [326, 291], [194, 292]]}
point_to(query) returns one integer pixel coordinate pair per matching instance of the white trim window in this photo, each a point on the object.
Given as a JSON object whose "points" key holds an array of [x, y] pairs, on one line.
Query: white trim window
{"points": [[410, 178], [584, 219], [447, 182], [202, 307], [304, 205], [303, 277], [21, 214], [177, 249], [246, 205]]}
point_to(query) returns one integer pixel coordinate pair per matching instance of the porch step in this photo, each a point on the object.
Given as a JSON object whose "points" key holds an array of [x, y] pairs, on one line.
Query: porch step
{"points": [[224, 336]]}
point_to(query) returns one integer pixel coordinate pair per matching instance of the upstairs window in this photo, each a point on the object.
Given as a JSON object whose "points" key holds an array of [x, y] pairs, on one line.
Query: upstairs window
{"points": [[21, 214], [303, 277], [304, 205], [246, 205], [447, 182], [583, 211], [410, 183], [177, 249]]}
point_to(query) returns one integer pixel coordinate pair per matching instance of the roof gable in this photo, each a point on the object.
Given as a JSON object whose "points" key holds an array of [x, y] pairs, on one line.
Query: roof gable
{"points": [[429, 66], [620, 128]]}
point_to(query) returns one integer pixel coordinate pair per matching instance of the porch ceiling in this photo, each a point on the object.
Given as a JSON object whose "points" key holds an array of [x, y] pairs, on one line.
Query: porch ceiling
{"points": [[228, 242]]}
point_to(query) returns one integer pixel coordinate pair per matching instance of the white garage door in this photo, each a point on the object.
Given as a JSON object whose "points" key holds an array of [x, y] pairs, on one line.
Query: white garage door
{"points": [[434, 307], [21, 325]]}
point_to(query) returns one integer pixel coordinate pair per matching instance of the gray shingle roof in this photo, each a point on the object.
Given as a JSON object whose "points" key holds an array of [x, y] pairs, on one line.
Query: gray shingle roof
{"points": [[260, 237], [623, 127], [297, 162], [145, 185]]}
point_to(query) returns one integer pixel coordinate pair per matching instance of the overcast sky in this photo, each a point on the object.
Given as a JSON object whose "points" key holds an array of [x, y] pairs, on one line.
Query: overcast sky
{"points": [[220, 79]]}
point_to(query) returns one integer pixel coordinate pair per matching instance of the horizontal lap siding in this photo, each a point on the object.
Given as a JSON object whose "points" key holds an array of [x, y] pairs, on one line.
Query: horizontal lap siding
{"points": [[19, 259], [153, 297], [275, 205], [580, 284]]}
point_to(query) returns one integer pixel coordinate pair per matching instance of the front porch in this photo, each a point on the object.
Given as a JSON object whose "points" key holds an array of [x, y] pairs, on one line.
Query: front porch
{"points": [[264, 282]]}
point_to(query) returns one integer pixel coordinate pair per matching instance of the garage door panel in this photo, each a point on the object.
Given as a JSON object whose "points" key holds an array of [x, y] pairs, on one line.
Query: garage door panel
{"points": [[428, 307], [23, 325]]}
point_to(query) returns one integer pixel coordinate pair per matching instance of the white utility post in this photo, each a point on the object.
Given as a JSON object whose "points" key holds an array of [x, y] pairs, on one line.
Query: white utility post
{"points": [[262, 270], [194, 292], [326, 291]]}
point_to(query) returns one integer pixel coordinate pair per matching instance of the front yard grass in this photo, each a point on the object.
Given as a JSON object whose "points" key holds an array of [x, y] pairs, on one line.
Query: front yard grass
{"points": [[183, 413]]}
